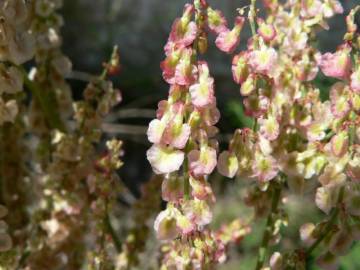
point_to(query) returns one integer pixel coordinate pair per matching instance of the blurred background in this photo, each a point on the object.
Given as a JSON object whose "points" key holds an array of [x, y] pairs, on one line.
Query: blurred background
{"points": [[140, 28]]}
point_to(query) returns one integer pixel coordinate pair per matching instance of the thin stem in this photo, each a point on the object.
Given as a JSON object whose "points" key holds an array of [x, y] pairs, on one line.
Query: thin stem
{"points": [[263, 249], [113, 234], [46, 103], [328, 227], [252, 16]]}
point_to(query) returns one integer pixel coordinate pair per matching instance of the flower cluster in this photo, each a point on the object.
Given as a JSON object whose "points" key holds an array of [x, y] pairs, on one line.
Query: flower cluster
{"points": [[183, 137], [296, 136]]}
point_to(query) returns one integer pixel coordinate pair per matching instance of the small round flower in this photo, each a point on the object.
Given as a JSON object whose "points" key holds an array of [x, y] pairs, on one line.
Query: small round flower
{"points": [[202, 93], [227, 40], [337, 65], [216, 20], [266, 31], [165, 224], [164, 159], [203, 161], [263, 61], [228, 164]]}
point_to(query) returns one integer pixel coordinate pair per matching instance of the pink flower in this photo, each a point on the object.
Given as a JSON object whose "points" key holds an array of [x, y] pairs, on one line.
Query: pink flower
{"points": [[227, 40], [239, 68], [177, 135], [228, 164], [202, 162], [266, 31], [168, 66], [355, 81], [185, 71], [165, 224], [340, 100], [201, 189], [216, 20], [340, 143], [197, 211], [164, 159], [265, 167], [183, 34], [337, 65], [202, 93], [155, 131], [248, 86], [269, 127], [310, 8], [263, 61]]}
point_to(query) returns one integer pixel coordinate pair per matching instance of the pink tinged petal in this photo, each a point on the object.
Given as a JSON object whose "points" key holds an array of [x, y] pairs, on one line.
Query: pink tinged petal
{"points": [[337, 65], [181, 137], [276, 261], [202, 162], [265, 167], [228, 164], [355, 81], [197, 211], [216, 20], [332, 7], [353, 168], [169, 65], [306, 233], [183, 34], [201, 189], [263, 61], [332, 177], [165, 224], [164, 159], [310, 8], [185, 71], [227, 40], [202, 93], [340, 143], [185, 225], [162, 108], [266, 31], [269, 128], [172, 189], [248, 86], [324, 199], [155, 131], [340, 101], [239, 68]]}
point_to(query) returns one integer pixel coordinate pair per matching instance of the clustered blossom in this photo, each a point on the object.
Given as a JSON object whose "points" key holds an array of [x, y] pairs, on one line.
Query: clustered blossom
{"points": [[296, 135], [184, 149]]}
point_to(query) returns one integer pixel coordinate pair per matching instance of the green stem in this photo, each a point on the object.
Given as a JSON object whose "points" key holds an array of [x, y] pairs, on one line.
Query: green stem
{"points": [[113, 234], [263, 249], [252, 16], [328, 227], [46, 103]]}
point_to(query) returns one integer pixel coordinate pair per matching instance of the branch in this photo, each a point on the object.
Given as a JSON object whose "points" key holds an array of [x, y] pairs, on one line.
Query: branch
{"points": [[47, 103], [263, 249]]}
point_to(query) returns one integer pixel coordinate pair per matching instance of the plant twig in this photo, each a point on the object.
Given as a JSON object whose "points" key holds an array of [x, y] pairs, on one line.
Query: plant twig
{"points": [[328, 227], [263, 249], [46, 103]]}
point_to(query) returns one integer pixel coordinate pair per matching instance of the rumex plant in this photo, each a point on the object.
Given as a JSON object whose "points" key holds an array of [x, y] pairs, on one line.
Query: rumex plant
{"points": [[296, 138], [59, 186]]}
